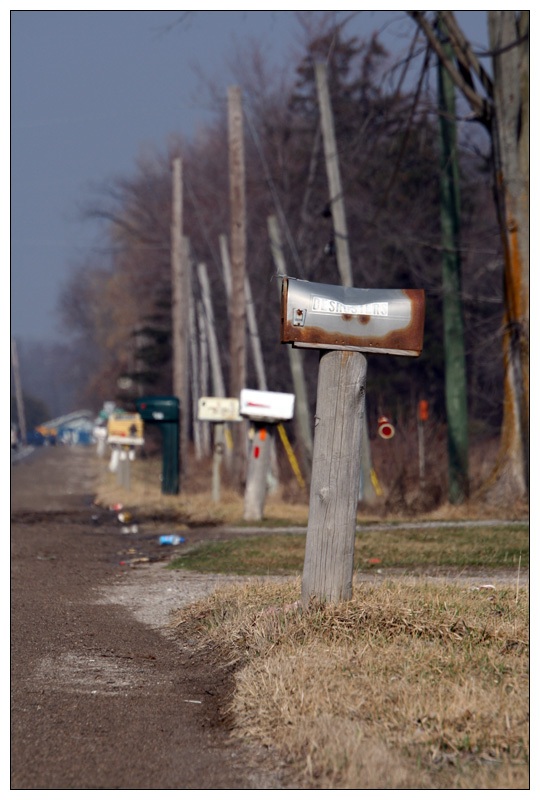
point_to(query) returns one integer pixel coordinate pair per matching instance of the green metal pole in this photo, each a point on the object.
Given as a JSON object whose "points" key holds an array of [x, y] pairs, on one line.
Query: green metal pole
{"points": [[171, 461], [454, 337]]}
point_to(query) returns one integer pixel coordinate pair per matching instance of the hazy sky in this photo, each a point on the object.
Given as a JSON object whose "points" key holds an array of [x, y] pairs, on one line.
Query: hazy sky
{"points": [[89, 89]]}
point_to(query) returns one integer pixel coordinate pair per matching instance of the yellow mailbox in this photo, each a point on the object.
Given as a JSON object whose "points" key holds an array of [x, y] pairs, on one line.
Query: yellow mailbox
{"points": [[125, 428]]}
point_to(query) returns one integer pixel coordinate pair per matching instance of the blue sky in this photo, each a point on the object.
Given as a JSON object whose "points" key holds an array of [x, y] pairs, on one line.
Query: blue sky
{"points": [[89, 89]]}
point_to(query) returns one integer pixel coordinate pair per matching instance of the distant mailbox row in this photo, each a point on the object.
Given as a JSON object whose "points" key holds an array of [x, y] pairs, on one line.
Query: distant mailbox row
{"points": [[124, 427], [128, 428]]}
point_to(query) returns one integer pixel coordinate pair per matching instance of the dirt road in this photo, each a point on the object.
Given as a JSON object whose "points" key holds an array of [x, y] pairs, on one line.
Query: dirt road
{"points": [[101, 697]]}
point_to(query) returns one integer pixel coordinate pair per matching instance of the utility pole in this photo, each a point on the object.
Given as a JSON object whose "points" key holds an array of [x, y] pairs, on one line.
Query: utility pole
{"points": [[303, 422], [218, 384], [253, 328], [203, 363], [454, 336], [180, 305], [366, 490], [195, 357], [237, 337], [256, 349], [18, 391], [337, 204]]}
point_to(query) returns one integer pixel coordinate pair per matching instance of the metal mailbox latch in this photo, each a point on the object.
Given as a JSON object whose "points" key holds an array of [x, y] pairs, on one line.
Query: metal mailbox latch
{"points": [[299, 317]]}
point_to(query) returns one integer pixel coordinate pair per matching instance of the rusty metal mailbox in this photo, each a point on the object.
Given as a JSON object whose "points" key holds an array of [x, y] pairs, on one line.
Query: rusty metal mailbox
{"points": [[331, 317]]}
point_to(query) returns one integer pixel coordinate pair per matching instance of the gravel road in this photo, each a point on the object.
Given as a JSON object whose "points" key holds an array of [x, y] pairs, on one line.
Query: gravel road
{"points": [[101, 696]]}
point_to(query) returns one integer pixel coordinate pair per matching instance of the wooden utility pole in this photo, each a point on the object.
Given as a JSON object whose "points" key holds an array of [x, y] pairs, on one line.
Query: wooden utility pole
{"points": [[195, 356], [329, 557], [509, 43], [18, 391], [237, 337], [366, 491], [203, 363], [256, 351], [180, 304], [226, 265], [454, 333], [218, 384], [337, 204], [302, 414], [253, 328]]}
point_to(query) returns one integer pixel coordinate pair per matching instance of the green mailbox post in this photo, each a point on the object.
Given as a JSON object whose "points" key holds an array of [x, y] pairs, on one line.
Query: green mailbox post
{"points": [[165, 412]]}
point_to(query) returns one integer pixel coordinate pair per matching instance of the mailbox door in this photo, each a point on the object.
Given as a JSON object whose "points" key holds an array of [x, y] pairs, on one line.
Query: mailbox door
{"points": [[346, 318], [159, 409]]}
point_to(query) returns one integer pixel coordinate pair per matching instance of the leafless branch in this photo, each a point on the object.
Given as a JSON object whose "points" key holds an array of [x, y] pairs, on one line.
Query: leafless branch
{"points": [[407, 132], [464, 52], [480, 105]]}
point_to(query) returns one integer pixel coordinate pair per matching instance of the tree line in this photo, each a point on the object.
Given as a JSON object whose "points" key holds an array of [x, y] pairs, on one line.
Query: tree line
{"points": [[117, 303]]}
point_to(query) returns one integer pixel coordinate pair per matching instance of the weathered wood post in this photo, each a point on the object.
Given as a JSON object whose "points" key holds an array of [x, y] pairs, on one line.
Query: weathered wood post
{"points": [[218, 383], [18, 391], [218, 410], [367, 492], [124, 470], [258, 464], [334, 179], [237, 326], [303, 420], [339, 417], [264, 410], [180, 296]]}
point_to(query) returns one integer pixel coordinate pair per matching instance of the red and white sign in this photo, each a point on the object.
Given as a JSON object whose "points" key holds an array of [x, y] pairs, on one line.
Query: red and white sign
{"points": [[386, 429]]}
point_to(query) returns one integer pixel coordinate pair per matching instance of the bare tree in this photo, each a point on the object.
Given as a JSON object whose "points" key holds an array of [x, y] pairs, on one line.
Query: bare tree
{"points": [[502, 105]]}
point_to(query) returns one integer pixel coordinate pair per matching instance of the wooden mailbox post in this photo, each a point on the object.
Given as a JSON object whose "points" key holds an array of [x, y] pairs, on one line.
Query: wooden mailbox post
{"points": [[265, 410], [343, 322], [125, 432], [219, 411]]}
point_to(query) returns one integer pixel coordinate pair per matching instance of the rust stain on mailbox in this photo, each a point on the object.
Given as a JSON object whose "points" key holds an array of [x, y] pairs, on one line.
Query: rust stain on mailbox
{"points": [[331, 317]]}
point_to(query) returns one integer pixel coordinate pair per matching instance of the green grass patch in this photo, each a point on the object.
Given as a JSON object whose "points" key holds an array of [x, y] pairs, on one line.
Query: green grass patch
{"points": [[498, 546], [276, 554], [501, 546]]}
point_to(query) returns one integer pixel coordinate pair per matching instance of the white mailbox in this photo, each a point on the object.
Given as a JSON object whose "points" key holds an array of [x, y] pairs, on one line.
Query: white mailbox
{"points": [[219, 409], [266, 406]]}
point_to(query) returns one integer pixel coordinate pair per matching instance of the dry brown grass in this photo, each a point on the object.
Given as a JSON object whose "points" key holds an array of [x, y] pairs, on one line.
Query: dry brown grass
{"points": [[409, 685], [194, 505]]}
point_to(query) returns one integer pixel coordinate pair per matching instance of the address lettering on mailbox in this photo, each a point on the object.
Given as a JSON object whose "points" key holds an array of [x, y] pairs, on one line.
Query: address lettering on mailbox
{"points": [[323, 305]]}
